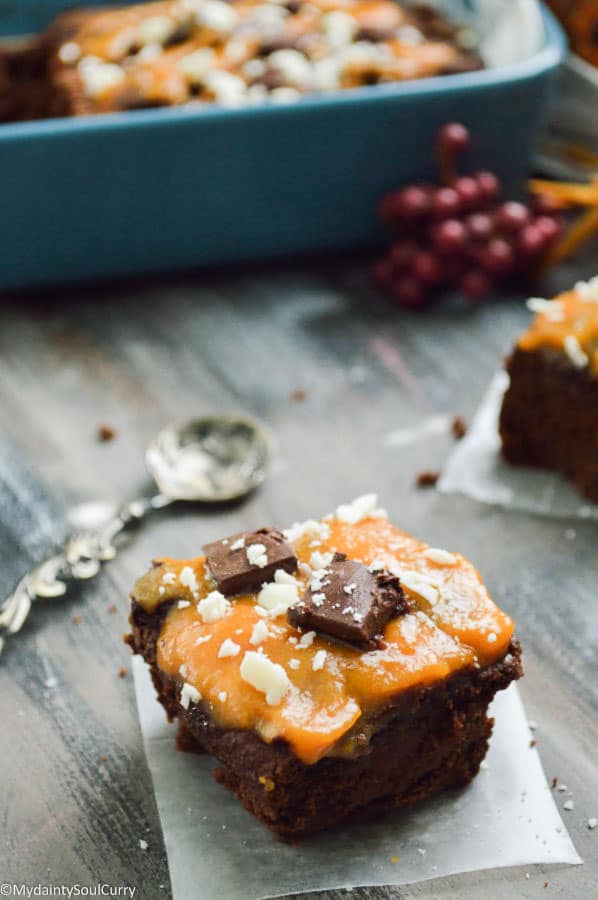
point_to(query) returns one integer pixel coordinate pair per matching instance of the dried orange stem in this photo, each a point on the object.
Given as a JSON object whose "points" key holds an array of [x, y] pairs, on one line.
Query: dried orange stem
{"points": [[567, 194], [580, 231]]}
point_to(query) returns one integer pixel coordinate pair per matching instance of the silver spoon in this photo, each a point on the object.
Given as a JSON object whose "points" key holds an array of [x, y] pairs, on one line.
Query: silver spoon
{"points": [[214, 459]]}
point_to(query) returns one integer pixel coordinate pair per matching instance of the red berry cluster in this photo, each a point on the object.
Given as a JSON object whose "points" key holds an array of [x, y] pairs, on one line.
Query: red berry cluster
{"points": [[460, 235]]}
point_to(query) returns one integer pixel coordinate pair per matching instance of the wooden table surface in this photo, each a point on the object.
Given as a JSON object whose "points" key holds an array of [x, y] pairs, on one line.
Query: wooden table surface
{"points": [[76, 795]]}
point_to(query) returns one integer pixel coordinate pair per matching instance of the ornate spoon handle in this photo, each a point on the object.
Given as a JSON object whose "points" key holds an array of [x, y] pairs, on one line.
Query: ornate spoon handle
{"points": [[81, 558]]}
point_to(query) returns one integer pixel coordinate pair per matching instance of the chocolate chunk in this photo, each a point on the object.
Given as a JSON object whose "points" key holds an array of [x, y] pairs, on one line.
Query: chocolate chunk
{"points": [[236, 568], [349, 602]]}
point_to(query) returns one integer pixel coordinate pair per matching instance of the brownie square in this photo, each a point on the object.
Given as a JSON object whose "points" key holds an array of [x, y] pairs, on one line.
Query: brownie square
{"points": [[309, 731], [549, 414], [433, 739]]}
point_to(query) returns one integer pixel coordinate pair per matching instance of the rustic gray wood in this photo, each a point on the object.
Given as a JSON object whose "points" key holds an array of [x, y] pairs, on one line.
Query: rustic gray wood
{"points": [[76, 795]]}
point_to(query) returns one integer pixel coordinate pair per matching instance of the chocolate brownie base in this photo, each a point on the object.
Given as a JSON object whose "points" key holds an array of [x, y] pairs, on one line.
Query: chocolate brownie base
{"points": [[430, 740], [549, 417], [33, 86]]}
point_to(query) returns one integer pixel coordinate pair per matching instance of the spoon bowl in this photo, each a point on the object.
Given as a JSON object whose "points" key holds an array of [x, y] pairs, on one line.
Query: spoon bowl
{"points": [[213, 459]]}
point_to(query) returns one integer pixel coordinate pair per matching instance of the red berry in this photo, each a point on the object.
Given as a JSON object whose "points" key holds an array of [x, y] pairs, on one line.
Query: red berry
{"points": [[445, 203], [469, 192], [383, 272], [426, 267], [409, 291], [531, 241], [412, 203], [475, 284], [479, 226], [549, 226], [402, 253], [449, 236], [489, 185], [453, 138], [497, 257], [511, 217]]}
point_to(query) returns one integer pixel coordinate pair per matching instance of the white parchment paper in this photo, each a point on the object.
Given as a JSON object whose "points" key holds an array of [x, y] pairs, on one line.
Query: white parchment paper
{"points": [[476, 469], [217, 850]]}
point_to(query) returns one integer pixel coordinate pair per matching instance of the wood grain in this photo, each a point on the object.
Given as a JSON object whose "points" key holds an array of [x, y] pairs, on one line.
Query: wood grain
{"points": [[76, 795]]}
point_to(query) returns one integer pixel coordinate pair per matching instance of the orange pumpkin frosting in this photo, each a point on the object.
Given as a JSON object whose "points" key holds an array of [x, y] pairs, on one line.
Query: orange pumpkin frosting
{"points": [[569, 323], [326, 691]]}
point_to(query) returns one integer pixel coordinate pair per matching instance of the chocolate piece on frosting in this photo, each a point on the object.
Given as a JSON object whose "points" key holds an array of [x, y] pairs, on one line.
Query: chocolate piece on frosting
{"points": [[349, 602], [244, 561]]}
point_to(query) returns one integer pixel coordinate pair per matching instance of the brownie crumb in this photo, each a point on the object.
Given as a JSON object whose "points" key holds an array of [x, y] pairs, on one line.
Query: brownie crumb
{"points": [[77, 619], [545, 884], [106, 433], [112, 608], [533, 744], [105, 757], [427, 478], [555, 781], [299, 395], [123, 672], [458, 428]]}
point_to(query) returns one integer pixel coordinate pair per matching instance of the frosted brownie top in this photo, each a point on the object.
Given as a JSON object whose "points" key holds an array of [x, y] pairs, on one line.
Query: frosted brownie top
{"points": [[241, 654]]}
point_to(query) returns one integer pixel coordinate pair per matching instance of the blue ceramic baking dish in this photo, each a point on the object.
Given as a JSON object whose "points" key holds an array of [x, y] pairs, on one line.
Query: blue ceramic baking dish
{"points": [[160, 190]]}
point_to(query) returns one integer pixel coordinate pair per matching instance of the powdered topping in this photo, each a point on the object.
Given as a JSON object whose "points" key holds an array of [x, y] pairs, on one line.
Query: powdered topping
{"points": [[189, 694], [306, 640], [422, 585], [568, 323], [188, 579], [257, 555], [310, 528], [228, 648], [276, 598], [574, 352], [365, 507], [319, 660], [440, 557], [320, 560], [282, 577], [259, 633], [213, 607], [552, 309], [69, 53], [202, 639], [265, 676], [588, 290]]}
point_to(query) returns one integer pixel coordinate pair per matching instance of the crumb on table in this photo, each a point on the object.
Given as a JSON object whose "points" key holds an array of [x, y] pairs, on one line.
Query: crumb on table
{"points": [[458, 428], [106, 433], [427, 478]]}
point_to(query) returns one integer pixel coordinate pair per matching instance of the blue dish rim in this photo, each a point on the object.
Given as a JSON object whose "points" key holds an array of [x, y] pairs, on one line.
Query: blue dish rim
{"points": [[548, 57]]}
